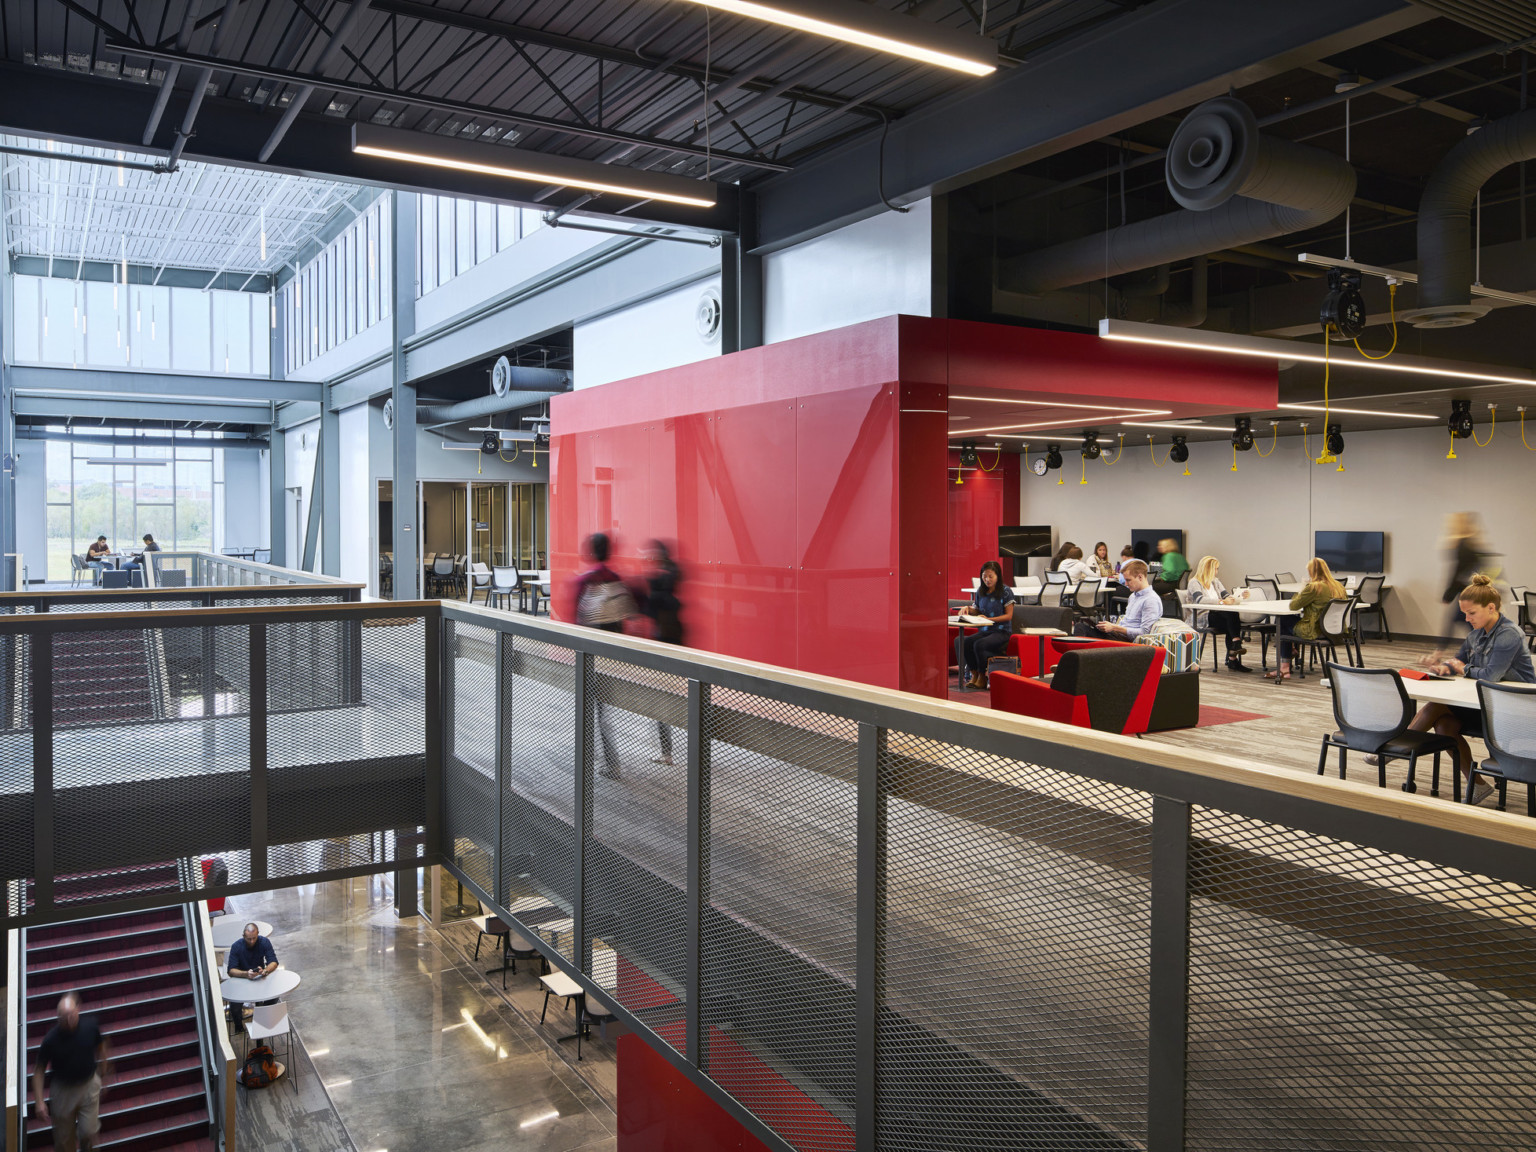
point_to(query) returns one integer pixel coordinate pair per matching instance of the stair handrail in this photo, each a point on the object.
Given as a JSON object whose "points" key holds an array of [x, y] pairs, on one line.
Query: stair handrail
{"points": [[219, 1059], [15, 1039]]}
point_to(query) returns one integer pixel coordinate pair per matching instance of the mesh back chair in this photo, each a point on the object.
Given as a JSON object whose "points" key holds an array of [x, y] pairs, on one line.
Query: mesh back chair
{"points": [[1518, 595], [1373, 713], [1261, 624], [77, 569], [480, 573], [1055, 590], [1368, 601], [441, 576], [1201, 623], [1024, 596], [1528, 617], [1184, 579], [1285, 578], [503, 586], [1332, 630], [1509, 730], [1085, 599]]}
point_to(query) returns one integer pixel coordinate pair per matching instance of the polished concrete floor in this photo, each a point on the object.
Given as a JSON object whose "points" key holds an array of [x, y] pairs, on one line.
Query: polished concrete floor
{"points": [[410, 1048]]}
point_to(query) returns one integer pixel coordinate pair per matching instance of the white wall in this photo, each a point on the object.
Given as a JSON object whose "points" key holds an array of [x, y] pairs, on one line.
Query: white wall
{"points": [[874, 268], [658, 333], [1260, 519], [245, 488], [357, 517], [529, 258], [31, 501]]}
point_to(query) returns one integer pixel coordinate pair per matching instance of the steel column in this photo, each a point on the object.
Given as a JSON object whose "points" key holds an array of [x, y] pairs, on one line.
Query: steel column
{"points": [[1168, 998], [329, 462], [41, 686], [741, 284], [258, 746], [698, 868], [432, 622], [277, 496], [870, 934], [402, 258], [587, 724], [503, 690], [7, 425]]}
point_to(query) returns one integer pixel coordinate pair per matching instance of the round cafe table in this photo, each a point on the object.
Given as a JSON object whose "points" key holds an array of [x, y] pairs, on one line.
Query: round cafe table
{"points": [[239, 990], [228, 929]]}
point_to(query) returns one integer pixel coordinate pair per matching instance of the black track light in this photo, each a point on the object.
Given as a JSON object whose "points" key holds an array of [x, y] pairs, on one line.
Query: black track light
{"points": [[1179, 452], [968, 454], [1460, 423], [1242, 433], [490, 444], [1335, 438], [1053, 455], [1091, 449]]}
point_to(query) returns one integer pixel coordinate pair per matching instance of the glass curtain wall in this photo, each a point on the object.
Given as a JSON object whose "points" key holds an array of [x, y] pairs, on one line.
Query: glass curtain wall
{"points": [[125, 489], [530, 508]]}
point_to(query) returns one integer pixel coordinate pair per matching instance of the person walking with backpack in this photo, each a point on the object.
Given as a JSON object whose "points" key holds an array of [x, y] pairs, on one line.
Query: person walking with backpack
{"points": [[603, 601]]}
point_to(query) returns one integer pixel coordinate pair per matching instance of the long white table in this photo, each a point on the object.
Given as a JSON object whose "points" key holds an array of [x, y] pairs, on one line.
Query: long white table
{"points": [[1459, 692], [1260, 607]]}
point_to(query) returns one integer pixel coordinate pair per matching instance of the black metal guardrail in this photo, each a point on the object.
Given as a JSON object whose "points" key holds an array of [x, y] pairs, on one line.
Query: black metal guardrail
{"points": [[863, 920], [858, 919]]}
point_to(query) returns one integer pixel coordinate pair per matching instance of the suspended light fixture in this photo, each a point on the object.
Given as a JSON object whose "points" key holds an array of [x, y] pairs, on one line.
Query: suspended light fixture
{"points": [[263, 231], [872, 27], [517, 164], [1179, 451]]}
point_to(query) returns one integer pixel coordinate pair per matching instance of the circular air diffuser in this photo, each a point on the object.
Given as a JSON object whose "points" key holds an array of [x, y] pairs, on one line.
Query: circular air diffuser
{"points": [[501, 376], [1213, 152]]}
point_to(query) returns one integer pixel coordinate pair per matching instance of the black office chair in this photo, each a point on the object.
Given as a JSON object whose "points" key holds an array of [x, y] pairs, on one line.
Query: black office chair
{"points": [[1509, 730], [1368, 601], [1528, 603], [1373, 712], [1085, 600], [1332, 631], [1285, 578], [116, 578], [1260, 624]]}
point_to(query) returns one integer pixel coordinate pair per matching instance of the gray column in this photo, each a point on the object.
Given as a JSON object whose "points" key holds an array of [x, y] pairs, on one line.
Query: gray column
{"points": [[402, 256], [277, 489], [741, 284], [329, 493], [7, 428]]}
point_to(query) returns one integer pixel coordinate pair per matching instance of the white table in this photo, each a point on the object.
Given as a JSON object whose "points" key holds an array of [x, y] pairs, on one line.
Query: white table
{"points": [[1351, 588], [228, 929], [239, 990], [1261, 607], [554, 929], [1458, 692]]}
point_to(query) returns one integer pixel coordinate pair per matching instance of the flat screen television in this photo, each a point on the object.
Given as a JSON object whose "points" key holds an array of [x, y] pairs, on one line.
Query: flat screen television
{"points": [[1352, 551], [1021, 541], [1144, 541]]}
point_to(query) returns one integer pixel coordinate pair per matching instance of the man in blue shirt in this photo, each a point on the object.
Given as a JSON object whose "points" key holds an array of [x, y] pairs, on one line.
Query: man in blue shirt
{"points": [[251, 958], [1142, 611]]}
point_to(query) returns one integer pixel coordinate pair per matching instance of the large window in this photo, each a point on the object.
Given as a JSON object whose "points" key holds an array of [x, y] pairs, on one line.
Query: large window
{"points": [[123, 489], [453, 235], [343, 291]]}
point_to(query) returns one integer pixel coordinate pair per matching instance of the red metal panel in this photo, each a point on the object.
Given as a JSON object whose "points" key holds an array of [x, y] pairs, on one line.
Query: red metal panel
{"points": [[661, 1110]]}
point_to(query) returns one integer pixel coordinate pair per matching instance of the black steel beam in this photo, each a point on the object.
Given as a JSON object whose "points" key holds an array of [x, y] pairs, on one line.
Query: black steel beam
{"points": [[1075, 92], [110, 114]]}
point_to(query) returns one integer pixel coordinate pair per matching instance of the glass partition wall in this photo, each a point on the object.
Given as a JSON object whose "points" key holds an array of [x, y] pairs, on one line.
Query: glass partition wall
{"points": [[124, 488], [492, 523]]}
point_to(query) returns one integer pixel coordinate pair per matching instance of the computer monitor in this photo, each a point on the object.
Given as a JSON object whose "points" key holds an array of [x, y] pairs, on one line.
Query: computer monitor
{"points": [[1144, 541], [1022, 541], [1352, 551]]}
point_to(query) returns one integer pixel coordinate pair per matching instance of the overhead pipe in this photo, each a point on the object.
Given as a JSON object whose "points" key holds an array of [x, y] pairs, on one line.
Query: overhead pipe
{"points": [[333, 47], [1237, 187], [1445, 219], [534, 385]]}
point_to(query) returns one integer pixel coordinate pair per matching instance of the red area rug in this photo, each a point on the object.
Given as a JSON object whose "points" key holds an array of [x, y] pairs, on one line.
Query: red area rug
{"points": [[1210, 715]]}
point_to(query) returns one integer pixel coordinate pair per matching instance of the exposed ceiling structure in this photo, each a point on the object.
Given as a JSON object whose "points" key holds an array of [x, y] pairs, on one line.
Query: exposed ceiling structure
{"points": [[86, 210]]}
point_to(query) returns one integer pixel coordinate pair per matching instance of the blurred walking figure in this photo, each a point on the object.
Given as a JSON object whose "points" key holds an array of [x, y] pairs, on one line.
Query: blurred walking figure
{"points": [[603, 601], [1465, 550], [664, 610], [75, 1050]]}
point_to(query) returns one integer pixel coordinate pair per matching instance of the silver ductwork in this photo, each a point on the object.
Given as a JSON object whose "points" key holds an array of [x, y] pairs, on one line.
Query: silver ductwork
{"points": [[1237, 187], [1445, 219], [532, 386]]}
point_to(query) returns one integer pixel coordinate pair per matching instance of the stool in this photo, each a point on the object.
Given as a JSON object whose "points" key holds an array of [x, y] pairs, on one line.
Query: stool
{"points": [[488, 926]]}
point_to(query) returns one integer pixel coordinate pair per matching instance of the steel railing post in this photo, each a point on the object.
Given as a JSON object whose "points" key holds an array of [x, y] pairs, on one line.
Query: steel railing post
{"points": [[43, 855], [586, 730], [869, 933], [1168, 995], [698, 867], [258, 742]]}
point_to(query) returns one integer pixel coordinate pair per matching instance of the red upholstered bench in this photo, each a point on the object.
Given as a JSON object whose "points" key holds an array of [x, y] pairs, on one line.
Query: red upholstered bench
{"points": [[1107, 685]]}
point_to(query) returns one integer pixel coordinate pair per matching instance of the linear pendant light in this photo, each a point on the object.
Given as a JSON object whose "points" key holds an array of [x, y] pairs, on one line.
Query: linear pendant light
{"points": [[520, 164], [1267, 348], [870, 27]]}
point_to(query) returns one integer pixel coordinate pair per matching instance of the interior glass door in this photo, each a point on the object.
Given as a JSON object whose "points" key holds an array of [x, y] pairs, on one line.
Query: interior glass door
{"points": [[488, 530]]}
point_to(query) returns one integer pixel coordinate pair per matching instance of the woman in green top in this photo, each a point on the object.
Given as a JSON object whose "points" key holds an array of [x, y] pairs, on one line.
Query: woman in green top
{"points": [[1174, 566], [1312, 601]]}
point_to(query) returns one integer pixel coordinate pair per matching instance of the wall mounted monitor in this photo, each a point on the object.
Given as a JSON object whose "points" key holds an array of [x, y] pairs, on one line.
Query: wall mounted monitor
{"points": [[1352, 551], [1144, 541], [1021, 541]]}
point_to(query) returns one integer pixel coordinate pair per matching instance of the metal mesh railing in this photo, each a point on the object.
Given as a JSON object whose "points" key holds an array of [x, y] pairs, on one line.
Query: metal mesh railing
{"points": [[868, 922], [282, 742]]}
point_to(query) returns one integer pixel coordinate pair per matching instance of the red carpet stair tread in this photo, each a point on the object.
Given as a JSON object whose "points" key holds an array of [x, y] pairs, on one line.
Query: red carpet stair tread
{"points": [[101, 678], [133, 973]]}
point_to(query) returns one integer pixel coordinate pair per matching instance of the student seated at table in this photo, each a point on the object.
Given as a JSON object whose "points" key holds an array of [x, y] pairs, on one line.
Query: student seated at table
{"points": [[96, 555], [1142, 611], [251, 958], [138, 557], [1075, 566], [1127, 554], [1312, 601], [1173, 566], [1061, 556], [1494, 650], [994, 600], [1206, 588], [1099, 561]]}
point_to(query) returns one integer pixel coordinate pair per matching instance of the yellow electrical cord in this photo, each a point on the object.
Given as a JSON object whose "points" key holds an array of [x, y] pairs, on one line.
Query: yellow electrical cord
{"points": [[1324, 457], [1234, 457], [1085, 470], [1274, 440], [1118, 454], [1528, 448], [1156, 463], [996, 460], [1392, 306], [1493, 419], [515, 455]]}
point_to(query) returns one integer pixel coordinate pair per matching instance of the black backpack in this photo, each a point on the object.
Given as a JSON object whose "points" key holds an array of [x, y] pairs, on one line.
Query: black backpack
{"points": [[259, 1069]]}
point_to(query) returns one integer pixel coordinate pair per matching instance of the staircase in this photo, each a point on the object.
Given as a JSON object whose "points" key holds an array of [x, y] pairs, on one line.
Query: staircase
{"points": [[134, 974], [101, 678]]}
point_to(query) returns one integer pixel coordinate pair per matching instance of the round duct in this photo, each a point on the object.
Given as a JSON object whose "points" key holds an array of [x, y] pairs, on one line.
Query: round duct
{"points": [[501, 376], [1212, 153], [707, 314], [389, 414]]}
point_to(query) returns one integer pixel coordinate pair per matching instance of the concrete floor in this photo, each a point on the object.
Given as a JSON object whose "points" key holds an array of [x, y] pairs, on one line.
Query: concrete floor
{"points": [[410, 1048]]}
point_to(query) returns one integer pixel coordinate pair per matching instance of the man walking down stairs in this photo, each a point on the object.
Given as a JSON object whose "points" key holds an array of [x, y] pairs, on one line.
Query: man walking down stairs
{"points": [[133, 975], [75, 1053]]}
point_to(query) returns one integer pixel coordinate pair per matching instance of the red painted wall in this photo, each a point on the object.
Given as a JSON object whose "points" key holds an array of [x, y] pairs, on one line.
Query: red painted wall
{"points": [[660, 1109], [977, 507], [804, 484]]}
